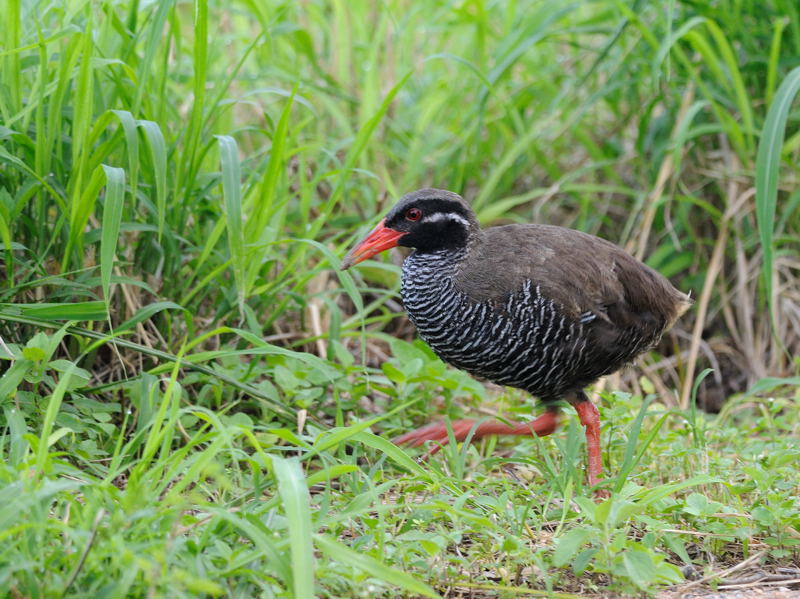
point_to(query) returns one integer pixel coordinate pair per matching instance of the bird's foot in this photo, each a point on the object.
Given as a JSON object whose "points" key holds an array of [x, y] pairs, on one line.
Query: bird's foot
{"points": [[541, 426], [436, 432], [601, 494]]}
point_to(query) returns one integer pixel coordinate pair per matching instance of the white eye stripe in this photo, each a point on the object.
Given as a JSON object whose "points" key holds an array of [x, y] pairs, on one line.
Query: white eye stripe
{"points": [[440, 216]]}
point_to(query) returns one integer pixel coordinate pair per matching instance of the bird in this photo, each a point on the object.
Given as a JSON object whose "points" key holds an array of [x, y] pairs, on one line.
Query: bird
{"points": [[536, 307]]}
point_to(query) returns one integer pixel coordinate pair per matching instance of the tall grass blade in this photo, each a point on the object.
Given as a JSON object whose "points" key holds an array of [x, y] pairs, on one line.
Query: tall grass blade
{"points": [[774, 59], [263, 202], [81, 208], [363, 136], [112, 218], [147, 63], [232, 205], [187, 171], [129, 128], [53, 406], [5, 233], [296, 503], [83, 103], [158, 154], [631, 456], [768, 161]]}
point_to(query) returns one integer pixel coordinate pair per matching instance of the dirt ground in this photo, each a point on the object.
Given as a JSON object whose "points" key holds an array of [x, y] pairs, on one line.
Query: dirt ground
{"points": [[741, 581], [747, 593]]}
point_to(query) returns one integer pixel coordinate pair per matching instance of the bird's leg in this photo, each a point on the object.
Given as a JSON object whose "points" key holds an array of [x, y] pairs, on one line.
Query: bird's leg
{"points": [[590, 419], [541, 426]]}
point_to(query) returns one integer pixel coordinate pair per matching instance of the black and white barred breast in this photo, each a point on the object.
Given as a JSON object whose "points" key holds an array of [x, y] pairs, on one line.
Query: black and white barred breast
{"points": [[523, 340]]}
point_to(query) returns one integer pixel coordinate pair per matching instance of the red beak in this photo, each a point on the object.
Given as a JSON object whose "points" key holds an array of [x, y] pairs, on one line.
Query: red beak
{"points": [[380, 238]]}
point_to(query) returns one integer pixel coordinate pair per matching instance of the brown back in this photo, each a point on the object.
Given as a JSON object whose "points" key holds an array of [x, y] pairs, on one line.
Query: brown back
{"points": [[581, 272]]}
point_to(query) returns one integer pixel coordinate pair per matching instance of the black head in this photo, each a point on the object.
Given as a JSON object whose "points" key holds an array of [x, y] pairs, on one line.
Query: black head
{"points": [[428, 220], [432, 219]]}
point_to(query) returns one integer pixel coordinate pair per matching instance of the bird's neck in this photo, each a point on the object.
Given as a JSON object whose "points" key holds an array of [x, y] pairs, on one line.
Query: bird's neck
{"points": [[427, 286], [444, 262], [434, 264]]}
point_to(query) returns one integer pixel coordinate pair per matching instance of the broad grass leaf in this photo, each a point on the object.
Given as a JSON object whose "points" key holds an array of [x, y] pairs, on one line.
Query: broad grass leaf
{"points": [[75, 311]]}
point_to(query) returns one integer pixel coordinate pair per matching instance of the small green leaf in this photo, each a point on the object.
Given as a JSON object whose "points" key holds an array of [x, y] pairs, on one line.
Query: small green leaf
{"points": [[286, 379], [763, 516], [696, 504], [79, 377], [569, 544], [406, 352], [639, 565], [393, 373], [582, 560], [34, 354]]}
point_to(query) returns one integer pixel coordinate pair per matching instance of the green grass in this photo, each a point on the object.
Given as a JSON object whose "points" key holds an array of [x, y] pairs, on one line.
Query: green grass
{"points": [[195, 401]]}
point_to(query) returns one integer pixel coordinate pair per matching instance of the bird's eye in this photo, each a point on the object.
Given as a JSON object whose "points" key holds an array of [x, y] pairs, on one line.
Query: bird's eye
{"points": [[413, 214]]}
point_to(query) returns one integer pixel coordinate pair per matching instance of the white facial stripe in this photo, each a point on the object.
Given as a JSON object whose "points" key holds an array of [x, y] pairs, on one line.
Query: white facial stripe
{"points": [[440, 216]]}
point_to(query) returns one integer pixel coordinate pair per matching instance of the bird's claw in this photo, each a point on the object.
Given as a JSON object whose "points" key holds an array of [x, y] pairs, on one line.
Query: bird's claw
{"points": [[436, 432]]}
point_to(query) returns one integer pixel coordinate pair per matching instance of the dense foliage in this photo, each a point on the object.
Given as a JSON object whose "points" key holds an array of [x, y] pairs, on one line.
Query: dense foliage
{"points": [[196, 401]]}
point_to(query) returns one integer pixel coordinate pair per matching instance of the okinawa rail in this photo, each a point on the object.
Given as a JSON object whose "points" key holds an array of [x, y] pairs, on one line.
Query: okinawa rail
{"points": [[537, 307]]}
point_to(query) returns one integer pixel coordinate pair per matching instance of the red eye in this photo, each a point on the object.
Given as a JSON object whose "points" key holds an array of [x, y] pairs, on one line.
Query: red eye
{"points": [[413, 214]]}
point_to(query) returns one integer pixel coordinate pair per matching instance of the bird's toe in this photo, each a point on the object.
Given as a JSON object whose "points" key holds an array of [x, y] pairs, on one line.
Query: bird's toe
{"points": [[436, 432]]}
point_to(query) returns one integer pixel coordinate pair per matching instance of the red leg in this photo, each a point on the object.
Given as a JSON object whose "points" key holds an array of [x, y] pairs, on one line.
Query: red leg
{"points": [[541, 426], [590, 419]]}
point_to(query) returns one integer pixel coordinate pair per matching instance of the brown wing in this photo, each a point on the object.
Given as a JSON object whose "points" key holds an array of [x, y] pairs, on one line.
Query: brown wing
{"points": [[586, 275]]}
